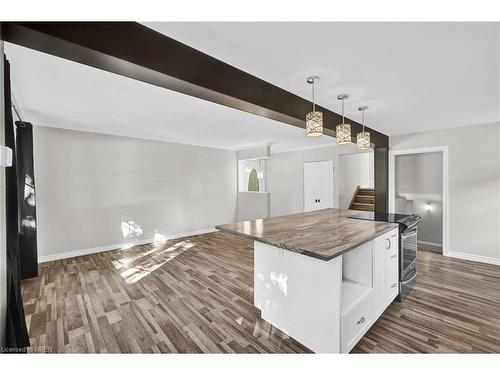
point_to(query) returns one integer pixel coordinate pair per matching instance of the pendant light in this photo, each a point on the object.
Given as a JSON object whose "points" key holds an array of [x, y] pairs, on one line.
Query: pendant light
{"points": [[314, 119], [343, 131], [363, 138]]}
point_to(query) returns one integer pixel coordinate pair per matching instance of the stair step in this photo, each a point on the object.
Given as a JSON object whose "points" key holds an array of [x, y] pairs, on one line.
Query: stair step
{"points": [[363, 206], [364, 199], [366, 192]]}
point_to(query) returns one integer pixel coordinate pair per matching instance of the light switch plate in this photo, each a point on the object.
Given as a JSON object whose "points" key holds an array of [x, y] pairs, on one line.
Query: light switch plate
{"points": [[5, 157]]}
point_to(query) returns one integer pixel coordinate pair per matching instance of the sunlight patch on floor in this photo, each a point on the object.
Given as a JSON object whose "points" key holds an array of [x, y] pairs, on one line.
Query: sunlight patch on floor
{"points": [[153, 259]]}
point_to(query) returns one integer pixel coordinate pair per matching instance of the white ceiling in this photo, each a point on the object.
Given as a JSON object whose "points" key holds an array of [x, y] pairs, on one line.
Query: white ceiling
{"points": [[414, 77], [54, 92]]}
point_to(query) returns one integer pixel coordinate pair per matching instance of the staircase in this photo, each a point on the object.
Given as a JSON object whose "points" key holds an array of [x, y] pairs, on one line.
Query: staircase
{"points": [[363, 199]]}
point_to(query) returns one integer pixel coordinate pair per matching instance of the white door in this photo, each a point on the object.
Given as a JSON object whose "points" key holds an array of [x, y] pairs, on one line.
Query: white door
{"points": [[325, 184], [310, 187], [318, 185]]}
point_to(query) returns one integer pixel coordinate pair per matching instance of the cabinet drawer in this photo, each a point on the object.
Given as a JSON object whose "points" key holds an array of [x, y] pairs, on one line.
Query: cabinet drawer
{"points": [[392, 281], [355, 323]]}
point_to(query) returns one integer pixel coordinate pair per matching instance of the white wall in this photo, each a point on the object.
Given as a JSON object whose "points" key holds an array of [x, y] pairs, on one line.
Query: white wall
{"points": [[430, 228], [252, 206], [3, 248], [474, 186], [98, 190], [286, 176], [422, 174], [355, 169]]}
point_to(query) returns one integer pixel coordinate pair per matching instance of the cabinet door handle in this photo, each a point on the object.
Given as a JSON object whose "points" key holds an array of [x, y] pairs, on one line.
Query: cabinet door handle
{"points": [[388, 243], [360, 321], [319, 200], [393, 256], [393, 286]]}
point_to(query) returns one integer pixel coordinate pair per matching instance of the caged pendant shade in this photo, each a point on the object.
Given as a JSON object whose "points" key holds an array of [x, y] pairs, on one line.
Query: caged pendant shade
{"points": [[314, 119], [343, 131], [314, 124], [363, 138]]}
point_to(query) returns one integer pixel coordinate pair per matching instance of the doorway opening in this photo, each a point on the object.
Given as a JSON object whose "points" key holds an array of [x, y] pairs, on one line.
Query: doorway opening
{"points": [[418, 184], [356, 181]]}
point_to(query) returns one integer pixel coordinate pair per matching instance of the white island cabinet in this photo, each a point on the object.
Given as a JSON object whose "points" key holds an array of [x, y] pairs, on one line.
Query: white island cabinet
{"points": [[322, 276], [326, 305]]}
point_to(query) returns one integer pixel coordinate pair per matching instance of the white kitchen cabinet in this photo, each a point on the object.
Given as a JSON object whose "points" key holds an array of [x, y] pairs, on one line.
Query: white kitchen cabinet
{"points": [[376, 293], [385, 271], [357, 290], [318, 185], [392, 286], [379, 283], [356, 322], [299, 295], [326, 305]]}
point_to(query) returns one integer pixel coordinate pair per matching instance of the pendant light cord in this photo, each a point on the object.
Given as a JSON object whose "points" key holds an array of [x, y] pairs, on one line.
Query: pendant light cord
{"points": [[314, 105], [363, 119], [343, 120]]}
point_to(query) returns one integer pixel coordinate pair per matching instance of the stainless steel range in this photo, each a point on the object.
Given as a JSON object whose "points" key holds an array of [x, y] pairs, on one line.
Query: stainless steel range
{"points": [[408, 231]]}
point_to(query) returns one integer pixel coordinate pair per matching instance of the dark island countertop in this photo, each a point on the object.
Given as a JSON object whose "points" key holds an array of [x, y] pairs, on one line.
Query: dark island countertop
{"points": [[322, 234]]}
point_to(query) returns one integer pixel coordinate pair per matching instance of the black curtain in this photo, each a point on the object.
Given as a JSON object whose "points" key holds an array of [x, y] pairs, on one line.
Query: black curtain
{"points": [[26, 200], [16, 332]]}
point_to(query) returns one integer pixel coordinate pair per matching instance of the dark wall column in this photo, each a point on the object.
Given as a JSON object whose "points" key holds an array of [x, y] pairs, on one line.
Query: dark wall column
{"points": [[381, 175], [26, 200]]}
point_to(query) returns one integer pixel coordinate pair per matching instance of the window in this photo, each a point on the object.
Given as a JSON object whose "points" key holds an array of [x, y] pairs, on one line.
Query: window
{"points": [[252, 175]]}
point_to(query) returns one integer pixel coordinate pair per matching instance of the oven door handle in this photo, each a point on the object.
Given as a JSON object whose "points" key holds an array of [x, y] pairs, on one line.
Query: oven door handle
{"points": [[409, 234]]}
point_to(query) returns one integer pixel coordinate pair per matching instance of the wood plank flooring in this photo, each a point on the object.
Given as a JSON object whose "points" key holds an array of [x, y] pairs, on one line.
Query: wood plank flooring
{"points": [[191, 295], [195, 295], [454, 308]]}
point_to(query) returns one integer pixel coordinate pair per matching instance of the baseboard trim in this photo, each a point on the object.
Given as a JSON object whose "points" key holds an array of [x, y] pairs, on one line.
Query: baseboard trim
{"points": [[121, 246], [431, 243], [474, 258], [92, 250]]}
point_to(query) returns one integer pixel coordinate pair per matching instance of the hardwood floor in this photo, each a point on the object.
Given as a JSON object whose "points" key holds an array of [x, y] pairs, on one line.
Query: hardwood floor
{"points": [[454, 308], [195, 295], [191, 295]]}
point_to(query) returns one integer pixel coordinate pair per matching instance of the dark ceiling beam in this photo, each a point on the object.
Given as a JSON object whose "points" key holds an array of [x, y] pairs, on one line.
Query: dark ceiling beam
{"points": [[133, 50]]}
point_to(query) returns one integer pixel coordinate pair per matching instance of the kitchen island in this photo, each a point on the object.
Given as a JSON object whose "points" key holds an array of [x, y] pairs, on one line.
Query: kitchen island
{"points": [[321, 277]]}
